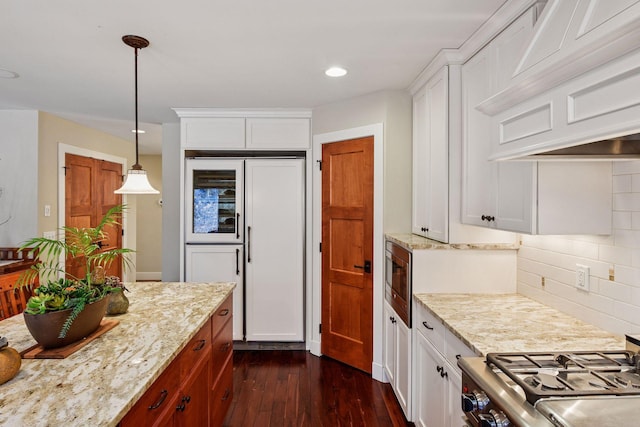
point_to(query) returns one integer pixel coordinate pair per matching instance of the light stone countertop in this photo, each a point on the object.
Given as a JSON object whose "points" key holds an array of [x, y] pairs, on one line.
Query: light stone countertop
{"points": [[414, 242], [97, 385], [502, 323]]}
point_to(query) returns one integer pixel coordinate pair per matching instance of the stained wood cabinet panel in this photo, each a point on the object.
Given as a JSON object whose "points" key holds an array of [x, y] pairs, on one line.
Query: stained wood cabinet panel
{"points": [[185, 393]]}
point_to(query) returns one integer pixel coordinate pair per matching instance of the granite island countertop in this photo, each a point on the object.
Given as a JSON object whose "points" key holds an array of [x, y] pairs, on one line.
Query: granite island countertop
{"points": [[491, 323], [97, 385]]}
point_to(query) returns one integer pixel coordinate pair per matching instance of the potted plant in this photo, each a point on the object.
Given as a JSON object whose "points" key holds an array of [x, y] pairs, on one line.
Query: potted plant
{"points": [[65, 308]]}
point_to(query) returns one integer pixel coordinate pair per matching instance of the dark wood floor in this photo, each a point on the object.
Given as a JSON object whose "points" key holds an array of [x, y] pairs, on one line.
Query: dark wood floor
{"points": [[295, 388]]}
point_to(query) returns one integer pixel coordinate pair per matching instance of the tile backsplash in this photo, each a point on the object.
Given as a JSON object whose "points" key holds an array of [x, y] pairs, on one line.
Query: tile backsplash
{"points": [[547, 264]]}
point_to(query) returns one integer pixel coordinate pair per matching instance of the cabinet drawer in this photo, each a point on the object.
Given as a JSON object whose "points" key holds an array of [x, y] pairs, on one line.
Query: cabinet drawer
{"points": [[213, 133], [222, 348], [156, 401], [455, 348], [221, 315], [222, 394], [197, 348], [430, 326], [278, 133]]}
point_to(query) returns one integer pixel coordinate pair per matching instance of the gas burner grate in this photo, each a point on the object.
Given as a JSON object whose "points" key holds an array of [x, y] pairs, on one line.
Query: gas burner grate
{"points": [[570, 374]]}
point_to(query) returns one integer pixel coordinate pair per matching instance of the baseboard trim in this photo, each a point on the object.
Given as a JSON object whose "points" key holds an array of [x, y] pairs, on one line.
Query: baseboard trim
{"points": [[148, 275]]}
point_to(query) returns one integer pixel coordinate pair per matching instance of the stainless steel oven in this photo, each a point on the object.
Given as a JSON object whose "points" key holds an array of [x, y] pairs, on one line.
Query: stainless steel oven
{"points": [[398, 280]]}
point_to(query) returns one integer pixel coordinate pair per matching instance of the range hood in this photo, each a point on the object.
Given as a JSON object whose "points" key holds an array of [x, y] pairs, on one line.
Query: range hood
{"points": [[574, 91], [620, 148]]}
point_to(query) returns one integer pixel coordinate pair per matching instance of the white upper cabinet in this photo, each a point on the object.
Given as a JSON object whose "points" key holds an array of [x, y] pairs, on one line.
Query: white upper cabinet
{"points": [[430, 158], [524, 196], [215, 129], [277, 133]]}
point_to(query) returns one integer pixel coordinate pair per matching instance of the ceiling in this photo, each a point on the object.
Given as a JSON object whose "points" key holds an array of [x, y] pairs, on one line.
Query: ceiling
{"points": [[216, 53]]}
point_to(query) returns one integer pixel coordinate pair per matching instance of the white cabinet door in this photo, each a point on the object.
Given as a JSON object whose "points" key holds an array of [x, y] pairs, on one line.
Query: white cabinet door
{"points": [[479, 175], [455, 415], [431, 158], [429, 408], [278, 133], [403, 366], [212, 133], [515, 196], [389, 346], [218, 263], [274, 230]]}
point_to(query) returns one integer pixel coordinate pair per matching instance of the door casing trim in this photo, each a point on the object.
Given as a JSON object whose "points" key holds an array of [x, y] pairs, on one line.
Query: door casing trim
{"points": [[377, 131]]}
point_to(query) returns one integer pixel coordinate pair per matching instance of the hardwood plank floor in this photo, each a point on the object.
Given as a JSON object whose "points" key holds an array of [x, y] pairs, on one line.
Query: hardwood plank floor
{"points": [[295, 388]]}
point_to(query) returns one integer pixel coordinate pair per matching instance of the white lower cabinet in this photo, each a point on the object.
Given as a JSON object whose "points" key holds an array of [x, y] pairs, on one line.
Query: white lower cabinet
{"points": [[397, 357], [219, 263], [437, 380]]}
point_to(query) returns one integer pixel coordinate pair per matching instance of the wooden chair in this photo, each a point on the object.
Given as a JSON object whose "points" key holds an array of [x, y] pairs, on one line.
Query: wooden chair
{"points": [[14, 300]]}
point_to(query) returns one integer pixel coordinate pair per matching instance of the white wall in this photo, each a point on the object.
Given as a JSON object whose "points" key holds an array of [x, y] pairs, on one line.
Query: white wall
{"points": [[613, 305], [18, 176], [171, 202], [149, 230]]}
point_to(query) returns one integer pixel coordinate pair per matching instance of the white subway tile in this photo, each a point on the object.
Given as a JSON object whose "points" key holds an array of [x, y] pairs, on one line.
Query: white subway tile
{"points": [[627, 238], [635, 220], [626, 202], [627, 312], [626, 167], [627, 275], [635, 257], [615, 255], [622, 183], [614, 290], [622, 220]]}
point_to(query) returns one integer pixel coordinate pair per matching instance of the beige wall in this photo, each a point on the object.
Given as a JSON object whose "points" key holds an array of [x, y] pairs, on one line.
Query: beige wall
{"points": [[54, 131], [149, 230], [393, 110]]}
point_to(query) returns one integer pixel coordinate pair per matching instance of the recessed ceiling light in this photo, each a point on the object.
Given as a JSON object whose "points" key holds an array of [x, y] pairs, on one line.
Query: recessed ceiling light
{"points": [[336, 72], [137, 131], [6, 74]]}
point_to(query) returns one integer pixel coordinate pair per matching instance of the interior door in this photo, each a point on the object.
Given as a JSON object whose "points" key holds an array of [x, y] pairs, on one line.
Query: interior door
{"points": [[347, 252], [89, 187], [274, 248]]}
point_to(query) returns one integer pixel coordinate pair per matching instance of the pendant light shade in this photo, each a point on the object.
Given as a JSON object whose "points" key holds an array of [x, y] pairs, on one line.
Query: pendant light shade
{"points": [[137, 181]]}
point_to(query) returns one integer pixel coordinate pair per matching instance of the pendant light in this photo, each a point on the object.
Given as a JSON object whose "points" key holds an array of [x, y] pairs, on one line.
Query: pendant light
{"points": [[137, 181]]}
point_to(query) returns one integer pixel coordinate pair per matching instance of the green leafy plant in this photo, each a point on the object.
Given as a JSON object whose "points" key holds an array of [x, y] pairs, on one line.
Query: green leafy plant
{"points": [[61, 290]]}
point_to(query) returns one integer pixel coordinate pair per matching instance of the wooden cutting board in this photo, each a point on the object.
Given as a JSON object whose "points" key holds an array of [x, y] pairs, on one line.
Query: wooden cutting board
{"points": [[38, 352]]}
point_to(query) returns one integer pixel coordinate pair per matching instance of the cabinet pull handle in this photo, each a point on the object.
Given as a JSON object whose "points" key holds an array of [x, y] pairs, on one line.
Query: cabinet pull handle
{"points": [[443, 374], [163, 395], [249, 244], [200, 345], [227, 392], [426, 325], [180, 407], [223, 312], [458, 356], [439, 368], [488, 218], [224, 347], [237, 262], [237, 226]]}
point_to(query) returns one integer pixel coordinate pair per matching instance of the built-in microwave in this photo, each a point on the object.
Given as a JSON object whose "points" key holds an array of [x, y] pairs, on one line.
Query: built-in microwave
{"points": [[398, 280]]}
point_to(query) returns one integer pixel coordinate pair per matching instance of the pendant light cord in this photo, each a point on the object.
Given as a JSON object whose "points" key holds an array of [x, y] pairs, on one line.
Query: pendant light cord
{"points": [[137, 165]]}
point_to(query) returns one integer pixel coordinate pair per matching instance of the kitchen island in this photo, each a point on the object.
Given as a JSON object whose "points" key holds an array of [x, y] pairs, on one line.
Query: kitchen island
{"points": [[102, 381], [498, 323]]}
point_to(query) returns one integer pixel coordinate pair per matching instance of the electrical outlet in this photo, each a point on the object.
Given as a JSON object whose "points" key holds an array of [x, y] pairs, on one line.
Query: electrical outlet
{"points": [[47, 210], [582, 277]]}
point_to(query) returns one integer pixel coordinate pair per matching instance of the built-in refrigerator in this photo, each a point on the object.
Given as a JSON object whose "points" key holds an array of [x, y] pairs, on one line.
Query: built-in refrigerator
{"points": [[244, 223]]}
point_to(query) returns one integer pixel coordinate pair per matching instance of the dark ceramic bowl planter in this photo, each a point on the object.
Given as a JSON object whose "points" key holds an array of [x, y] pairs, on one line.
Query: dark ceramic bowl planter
{"points": [[45, 328]]}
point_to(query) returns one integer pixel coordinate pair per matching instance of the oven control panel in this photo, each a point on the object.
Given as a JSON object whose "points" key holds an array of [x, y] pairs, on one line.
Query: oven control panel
{"points": [[479, 409]]}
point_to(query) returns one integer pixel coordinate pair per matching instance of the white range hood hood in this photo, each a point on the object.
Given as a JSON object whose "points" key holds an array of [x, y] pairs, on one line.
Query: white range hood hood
{"points": [[577, 84]]}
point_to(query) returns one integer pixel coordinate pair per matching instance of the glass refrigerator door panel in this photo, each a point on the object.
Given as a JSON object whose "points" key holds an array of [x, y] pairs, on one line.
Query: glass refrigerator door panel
{"points": [[214, 190]]}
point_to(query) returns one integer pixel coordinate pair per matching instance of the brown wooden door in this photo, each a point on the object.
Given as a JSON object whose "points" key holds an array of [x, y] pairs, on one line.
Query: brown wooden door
{"points": [[347, 244], [89, 187]]}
